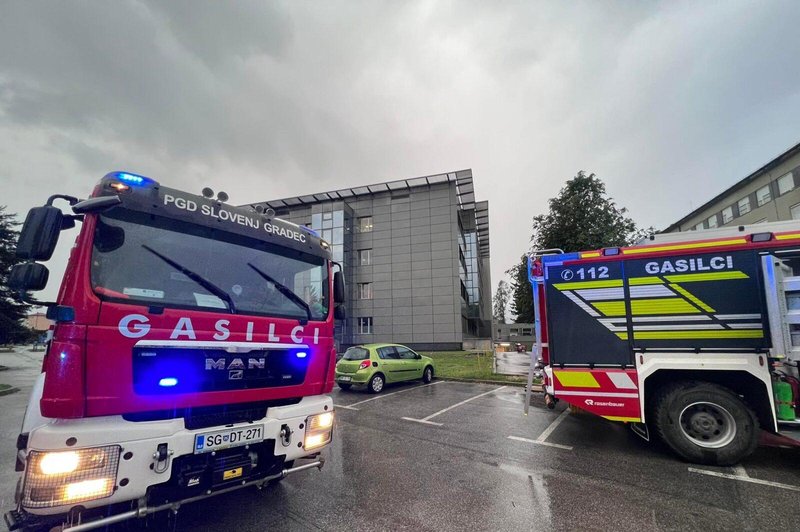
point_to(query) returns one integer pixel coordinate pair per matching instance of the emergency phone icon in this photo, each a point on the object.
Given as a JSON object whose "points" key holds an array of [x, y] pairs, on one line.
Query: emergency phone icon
{"points": [[567, 275]]}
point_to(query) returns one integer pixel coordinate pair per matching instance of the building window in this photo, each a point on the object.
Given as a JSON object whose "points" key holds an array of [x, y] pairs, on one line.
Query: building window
{"points": [[795, 210], [364, 325], [365, 257], [365, 224], [727, 214], [785, 183], [712, 221], [744, 205], [698, 227], [364, 290], [763, 196]]}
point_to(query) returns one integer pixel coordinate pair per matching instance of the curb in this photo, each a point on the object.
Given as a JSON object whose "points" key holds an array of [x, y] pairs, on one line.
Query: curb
{"points": [[486, 381], [8, 391]]}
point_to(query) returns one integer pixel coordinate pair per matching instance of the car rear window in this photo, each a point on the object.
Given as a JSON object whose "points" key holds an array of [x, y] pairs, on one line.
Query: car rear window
{"points": [[356, 353]]}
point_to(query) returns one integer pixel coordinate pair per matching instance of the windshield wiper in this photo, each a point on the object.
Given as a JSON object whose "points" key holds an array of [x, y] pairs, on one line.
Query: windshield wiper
{"points": [[285, 291], [196, 277]]}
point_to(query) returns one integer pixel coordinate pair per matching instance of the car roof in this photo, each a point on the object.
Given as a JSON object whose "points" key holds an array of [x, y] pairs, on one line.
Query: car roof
{"points": [[375, 346]]}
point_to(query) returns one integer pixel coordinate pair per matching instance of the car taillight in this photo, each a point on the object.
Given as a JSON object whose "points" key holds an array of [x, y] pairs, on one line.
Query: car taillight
{"points": [[364, 364]]}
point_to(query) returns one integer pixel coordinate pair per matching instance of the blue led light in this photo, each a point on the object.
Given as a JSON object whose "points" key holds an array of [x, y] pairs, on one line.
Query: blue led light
{"points": [[63, 355], [168, 382], [301, 354], [132, 179]]}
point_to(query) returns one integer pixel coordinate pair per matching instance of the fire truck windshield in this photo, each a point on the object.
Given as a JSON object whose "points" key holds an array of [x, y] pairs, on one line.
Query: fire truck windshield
{"points": [[143, 259]]}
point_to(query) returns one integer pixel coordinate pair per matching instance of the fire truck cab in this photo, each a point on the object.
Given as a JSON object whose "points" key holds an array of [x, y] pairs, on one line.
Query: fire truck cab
{"points": [[694, 337], [192, 350]]}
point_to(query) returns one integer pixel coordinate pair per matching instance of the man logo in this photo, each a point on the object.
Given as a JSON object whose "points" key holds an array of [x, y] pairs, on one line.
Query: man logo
{"points": [[235, 375], [567, 275]]}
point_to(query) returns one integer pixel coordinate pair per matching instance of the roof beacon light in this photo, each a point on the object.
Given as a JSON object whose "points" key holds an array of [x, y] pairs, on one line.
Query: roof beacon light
{"points": [[133, 179], [302, 354], [761, 237], [610, 252]]}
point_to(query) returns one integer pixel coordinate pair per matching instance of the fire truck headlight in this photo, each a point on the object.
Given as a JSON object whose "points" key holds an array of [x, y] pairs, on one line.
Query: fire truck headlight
{"points": [[66, 477], [319, 430]]}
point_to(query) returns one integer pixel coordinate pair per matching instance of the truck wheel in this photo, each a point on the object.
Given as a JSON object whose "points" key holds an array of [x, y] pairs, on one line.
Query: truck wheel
{"points": [[376, 383], [427, 375], [344, 386], [705, 423]]}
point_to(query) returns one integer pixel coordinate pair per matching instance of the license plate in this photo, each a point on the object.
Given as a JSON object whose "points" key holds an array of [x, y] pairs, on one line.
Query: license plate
{"points": [[345, 379], [223, 439]]}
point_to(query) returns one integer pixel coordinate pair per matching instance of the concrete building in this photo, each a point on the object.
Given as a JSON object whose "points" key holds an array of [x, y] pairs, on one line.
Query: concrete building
{"points": [[770, 194], [415, 254], [508, 335]]}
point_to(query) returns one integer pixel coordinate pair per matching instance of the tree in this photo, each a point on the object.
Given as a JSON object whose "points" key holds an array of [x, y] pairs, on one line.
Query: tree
{"points": [[583, 217], [12, 313], [501, 297], [522, 294]]}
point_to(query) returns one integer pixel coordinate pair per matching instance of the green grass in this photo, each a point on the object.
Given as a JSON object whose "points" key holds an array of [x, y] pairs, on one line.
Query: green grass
{"points": [[468, 365], [4, 387]]}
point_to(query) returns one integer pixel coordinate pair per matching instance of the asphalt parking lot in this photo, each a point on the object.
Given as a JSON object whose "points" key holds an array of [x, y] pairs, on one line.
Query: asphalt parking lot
{"points": [[461, 456]]}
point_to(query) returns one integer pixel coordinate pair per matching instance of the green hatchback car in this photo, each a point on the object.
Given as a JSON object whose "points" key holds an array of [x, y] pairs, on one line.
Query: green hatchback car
{"points": [[375, 365]]}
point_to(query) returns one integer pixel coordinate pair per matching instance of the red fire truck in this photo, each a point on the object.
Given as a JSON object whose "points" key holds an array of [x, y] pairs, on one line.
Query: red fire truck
{"points": [[695, 337], [191, 354]]}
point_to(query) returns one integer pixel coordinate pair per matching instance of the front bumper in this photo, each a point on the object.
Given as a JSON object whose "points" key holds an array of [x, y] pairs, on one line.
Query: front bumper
{"points": [[359, 377], [154, 453]]}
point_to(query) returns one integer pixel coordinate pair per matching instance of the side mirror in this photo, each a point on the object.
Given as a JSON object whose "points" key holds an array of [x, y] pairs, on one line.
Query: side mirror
{"points": [[96, 204], [39, 234], [28, 276], [338, 288], [339, 312]]}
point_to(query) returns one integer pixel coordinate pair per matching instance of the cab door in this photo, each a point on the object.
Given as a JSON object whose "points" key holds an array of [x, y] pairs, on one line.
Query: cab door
{"points": [[390, 363], [412, 363]]}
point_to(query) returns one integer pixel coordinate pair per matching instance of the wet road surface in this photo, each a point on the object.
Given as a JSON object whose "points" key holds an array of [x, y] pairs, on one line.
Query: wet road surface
{"points": [[467, 459]]}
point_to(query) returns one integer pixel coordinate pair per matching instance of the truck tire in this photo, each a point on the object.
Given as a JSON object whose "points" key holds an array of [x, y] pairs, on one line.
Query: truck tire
{"points": [[705, 423]]}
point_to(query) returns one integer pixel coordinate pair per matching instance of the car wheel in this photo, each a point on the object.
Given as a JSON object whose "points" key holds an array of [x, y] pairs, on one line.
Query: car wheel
{"points": [[705, 423], [427, 375], [376, 383], [344, 386]]}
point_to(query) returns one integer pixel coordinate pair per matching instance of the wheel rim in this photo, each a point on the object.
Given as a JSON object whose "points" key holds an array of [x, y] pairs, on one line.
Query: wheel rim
{"points": [[428, 374], [377, 384], [707, 425]]}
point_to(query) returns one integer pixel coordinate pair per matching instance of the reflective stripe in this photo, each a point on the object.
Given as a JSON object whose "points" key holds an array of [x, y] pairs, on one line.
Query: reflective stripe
{"points": [[633, 281], [695, 245], [589, 284], [653, 290], [671, 318], [590, 254], [577, 379], [599, 294], [738, 316], [683, 327], [698, 335], [597, 394], [790, 236], [671, 305], [697, 277], [692, 298], [611, 308], [575, 299], [744, 325], [621, 380], [620, 418]]}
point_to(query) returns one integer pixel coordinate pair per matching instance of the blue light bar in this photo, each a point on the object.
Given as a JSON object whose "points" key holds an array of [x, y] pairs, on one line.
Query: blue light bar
{"points": [[133, 179], [168, 382], [301, 354]]}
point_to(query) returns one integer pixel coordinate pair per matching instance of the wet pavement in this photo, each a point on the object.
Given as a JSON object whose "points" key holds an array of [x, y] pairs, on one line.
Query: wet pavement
{"points": [[468, 459]]}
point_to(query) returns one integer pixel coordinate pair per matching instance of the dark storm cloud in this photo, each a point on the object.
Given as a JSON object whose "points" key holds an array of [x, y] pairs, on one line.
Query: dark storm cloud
{"points": [[669, 103]]}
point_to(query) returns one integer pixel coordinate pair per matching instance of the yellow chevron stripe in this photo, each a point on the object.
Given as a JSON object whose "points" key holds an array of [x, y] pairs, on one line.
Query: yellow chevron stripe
{"points": [[667, 305], [623, 336], [576, 379], [685, 293], [612, 283], [635, 281], [698, 335], [610, 308], [621, 418], [697, 277], [673, 247]]}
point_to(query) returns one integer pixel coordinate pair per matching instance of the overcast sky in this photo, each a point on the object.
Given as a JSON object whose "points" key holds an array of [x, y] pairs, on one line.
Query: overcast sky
{"points": [[669, 103]]}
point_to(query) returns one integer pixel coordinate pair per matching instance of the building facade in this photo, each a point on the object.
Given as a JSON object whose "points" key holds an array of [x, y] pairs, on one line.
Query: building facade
{"points": [[508, 335], [770, 194], [415, 254]]}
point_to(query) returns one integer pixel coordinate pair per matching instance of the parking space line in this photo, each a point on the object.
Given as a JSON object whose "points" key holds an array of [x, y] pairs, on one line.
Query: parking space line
{"points": [[546, 434], [538, 442], [345, 407], [351, 407], [740, 471], [442, 411], [744, 479]]}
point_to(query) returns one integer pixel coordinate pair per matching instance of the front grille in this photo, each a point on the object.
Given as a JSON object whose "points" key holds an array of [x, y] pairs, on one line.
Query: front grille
{"points": [[173, 370], [213, 416]]}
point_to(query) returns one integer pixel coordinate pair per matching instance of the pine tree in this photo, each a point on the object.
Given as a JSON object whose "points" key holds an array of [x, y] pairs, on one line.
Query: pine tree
{"points": [[501, 298], [12, 312], [522, 294]]}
